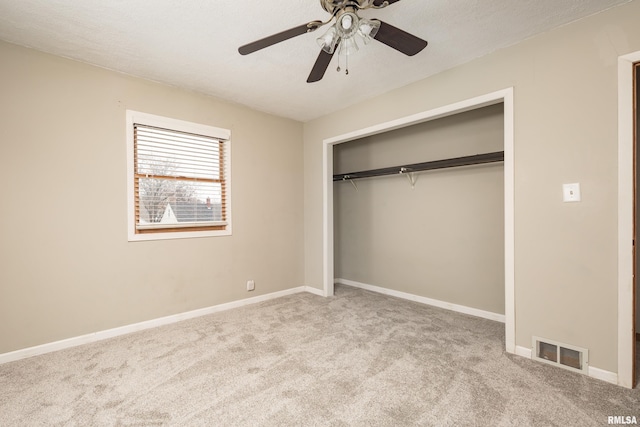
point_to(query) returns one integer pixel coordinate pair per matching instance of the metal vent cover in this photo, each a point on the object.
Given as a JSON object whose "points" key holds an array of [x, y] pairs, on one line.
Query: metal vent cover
{"points": [[559, 354]]}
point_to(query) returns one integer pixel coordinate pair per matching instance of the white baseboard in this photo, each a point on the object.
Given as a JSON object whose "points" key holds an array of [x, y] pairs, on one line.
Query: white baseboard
{"points": [[424, 300], [601, 374], [123, 330], [524, 352], [314, 291], [597, 373]]}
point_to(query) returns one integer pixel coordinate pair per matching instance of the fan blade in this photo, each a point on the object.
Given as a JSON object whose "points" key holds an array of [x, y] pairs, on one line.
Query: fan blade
{"points": [[379, 3], [280, 37], [321, 65], [399, 40]]}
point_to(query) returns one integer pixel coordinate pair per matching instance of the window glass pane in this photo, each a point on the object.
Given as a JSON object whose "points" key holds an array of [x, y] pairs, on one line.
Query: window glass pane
{"points": [[173, 201]]}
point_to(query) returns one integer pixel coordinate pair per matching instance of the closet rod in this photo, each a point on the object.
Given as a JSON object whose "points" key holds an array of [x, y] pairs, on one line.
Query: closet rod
{"points": [[477, 159]]}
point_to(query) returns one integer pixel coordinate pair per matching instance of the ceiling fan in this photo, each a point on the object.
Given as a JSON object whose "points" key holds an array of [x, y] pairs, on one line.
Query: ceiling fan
{"points": [[341, 37]]}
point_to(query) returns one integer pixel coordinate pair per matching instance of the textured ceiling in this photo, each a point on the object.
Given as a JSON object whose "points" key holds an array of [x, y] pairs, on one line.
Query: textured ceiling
{"points": [[193, 44]]}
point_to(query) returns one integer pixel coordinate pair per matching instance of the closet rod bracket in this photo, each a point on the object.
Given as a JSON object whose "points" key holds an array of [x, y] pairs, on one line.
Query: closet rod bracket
{"points": [[348, 177], [411, 176]]}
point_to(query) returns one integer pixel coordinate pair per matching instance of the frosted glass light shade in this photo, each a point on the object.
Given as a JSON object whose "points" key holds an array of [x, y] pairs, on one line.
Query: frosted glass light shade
{"points": [[368, 28], [328, 40], [348, 46]]}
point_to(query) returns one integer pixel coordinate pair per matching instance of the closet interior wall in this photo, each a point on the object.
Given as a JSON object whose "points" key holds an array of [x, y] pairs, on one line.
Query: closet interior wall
{"points": [[442, 239]]}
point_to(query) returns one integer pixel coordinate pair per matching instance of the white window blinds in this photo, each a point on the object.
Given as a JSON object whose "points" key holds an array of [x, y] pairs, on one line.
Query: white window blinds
{"points": [[180, 180]]}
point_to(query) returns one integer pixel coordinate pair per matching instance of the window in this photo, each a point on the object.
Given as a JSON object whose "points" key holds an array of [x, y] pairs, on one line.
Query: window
{"points": [[178, 178]]}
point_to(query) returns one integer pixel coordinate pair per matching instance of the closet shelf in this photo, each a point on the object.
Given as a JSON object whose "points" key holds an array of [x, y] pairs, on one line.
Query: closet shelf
{"points": [[477, 159]]}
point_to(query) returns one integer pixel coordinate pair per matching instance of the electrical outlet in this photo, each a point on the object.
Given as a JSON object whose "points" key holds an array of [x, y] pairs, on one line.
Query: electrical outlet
{"points": [[251, 285]]}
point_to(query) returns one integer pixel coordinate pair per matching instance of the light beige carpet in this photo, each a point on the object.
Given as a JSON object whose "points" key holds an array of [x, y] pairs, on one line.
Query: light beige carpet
{"points": [[357, 359]]}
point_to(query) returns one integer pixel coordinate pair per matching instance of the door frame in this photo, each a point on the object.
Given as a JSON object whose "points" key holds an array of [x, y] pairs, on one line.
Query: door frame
{"points": [[502, 96], [626, 197]]}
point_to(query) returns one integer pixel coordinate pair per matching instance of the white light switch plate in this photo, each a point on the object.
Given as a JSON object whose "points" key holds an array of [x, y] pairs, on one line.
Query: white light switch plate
{"points": [[571, 192]]}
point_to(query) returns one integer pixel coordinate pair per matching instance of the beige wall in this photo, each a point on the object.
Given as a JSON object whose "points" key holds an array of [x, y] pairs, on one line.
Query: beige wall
{"points": [[443, 239], [565, 100], [66, 268]]}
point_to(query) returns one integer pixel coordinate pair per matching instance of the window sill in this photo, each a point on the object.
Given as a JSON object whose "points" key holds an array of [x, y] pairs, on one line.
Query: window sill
{"points": [[170, 235]]}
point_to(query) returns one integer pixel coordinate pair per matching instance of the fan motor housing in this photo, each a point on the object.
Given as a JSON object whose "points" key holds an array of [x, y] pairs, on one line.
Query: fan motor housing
{"points": [[332, 5]]}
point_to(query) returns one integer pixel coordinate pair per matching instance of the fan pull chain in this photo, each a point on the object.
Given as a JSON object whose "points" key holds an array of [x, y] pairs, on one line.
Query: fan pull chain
{"points": [[346, 71]]}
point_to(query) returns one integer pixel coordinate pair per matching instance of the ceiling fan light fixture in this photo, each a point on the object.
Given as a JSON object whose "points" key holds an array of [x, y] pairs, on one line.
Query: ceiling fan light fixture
{"points": [[347, 24]]}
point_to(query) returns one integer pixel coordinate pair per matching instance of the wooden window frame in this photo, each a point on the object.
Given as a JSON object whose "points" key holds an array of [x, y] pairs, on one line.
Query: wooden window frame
{"points": [[170, 231]]}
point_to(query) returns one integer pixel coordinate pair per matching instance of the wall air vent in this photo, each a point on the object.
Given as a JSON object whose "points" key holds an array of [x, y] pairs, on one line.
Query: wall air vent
{"points": [[558, 354]]}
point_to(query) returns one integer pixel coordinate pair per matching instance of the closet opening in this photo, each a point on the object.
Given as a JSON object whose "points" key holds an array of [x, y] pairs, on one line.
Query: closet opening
{"points": [[419, 212], [358, 155]]}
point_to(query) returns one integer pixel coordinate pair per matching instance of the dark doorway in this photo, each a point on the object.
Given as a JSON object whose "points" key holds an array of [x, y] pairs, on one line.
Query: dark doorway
{"points": [[636, 272]]}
